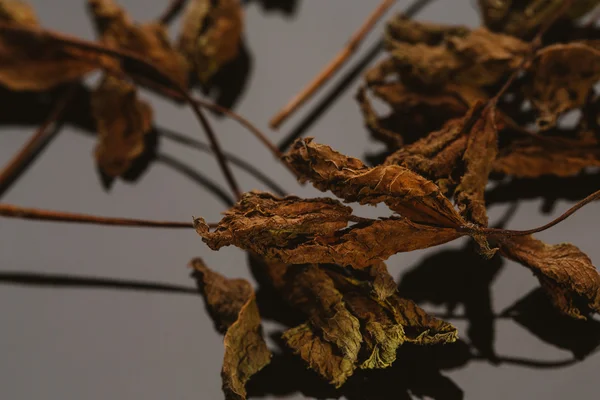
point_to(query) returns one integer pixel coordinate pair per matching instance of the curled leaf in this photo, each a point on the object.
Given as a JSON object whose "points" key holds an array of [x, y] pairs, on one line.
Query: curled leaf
{"points": [[480, 153], [523, 17], [34, 62], [430, 54], [122, 121], [319, 354], [233, 305], [297, 231], [565, 273], [17, 12], [535, 157], [262, 220], [562, 77], [399, 188], [148, 40], [211, 35]]}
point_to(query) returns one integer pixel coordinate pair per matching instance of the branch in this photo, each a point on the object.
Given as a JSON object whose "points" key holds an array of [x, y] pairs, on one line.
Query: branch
{"points": [[12, 211], [26, 154], [334, 65]]}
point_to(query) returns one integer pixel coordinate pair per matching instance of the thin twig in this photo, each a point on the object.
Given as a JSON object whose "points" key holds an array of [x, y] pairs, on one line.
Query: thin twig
{"points": [[67, 40], [334, 65], [12, 211], [171, 11], [174, 95], [37, 140]]}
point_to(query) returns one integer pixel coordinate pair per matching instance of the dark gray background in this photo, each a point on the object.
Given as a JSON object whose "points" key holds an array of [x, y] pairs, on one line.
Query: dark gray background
{"points": [[83, 343]]}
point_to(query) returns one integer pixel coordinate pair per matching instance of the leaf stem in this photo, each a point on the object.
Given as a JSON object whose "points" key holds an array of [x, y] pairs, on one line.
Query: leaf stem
{"points": [[13, 211], [334, 65], [508, 232], [41, 136]]}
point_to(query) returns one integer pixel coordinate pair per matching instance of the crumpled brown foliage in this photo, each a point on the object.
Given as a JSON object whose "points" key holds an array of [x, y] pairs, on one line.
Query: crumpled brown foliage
{"points": [[211, 35], [232, 304], [122, 121], [348, 325], [29, 62], [538, 156], [521, 18], [433, 54], [565, 273], [562, 77], [149, 40], [414, 112], [402, 190], [480, 153], [298, 231]]}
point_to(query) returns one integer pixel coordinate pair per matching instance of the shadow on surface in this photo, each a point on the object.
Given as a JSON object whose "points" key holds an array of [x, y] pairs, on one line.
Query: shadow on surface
{"points": [[417, 372], [59, 281], [535, 313], [286, 7], [228, 85]]}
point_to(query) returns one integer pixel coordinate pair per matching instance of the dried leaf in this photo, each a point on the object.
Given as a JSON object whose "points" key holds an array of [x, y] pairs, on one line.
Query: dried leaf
{"points": [[262, 220], [524, 17], [415, 112], [321, 292], [319, 354], [481, 151], [535, 157], [149, 40], [211, 35], [32, 62], [297, 231], [19, 12], [430, 54], [122, 121], [562, 77], [565, 273], [232, 302], [331, 339], [399, 188], [437, 155]]}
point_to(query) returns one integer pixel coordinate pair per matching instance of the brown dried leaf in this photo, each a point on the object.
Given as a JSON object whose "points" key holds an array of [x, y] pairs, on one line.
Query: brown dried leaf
{"points": [[562, 77], [297, 231], [437, 155], [331, 339], [122, 121], [319, 354], [431, 54], [399, 188], [565, 273], [382, 325], [535, 157], [262, 220], [233, 304], [149, 40], [415, 112], [211, 34], [32, 62], [19, 12], [524, 17], [481, 151]]}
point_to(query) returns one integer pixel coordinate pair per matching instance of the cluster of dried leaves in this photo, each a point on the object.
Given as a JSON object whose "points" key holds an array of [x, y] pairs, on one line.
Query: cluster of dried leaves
{"points": [[36, 60], [449, 128], [458, 99]]}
